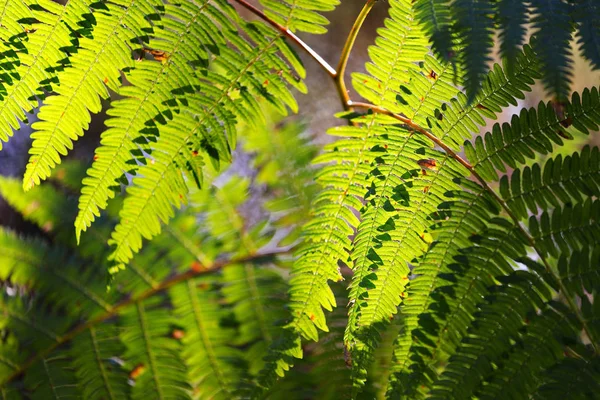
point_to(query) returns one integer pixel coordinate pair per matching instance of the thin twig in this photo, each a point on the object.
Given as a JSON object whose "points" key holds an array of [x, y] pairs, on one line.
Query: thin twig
{"points": [[290, 35], [503, 204], [176, 279], [347, 49]]}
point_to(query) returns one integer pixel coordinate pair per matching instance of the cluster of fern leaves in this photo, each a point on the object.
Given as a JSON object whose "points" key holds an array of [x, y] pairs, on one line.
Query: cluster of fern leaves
{"points": [[447, 276]]}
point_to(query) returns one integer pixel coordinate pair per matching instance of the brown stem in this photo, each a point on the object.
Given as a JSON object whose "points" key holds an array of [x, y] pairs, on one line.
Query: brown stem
{"points": [[176, 279], [290, 35]]}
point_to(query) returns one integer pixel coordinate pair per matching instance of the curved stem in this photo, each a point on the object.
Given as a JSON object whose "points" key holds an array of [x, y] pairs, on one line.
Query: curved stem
{"points": [[347, 49], [574, 308], [290, 35], [113, 311]]}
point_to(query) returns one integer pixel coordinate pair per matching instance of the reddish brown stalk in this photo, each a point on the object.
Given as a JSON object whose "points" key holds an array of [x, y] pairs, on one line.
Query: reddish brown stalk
{"points": [[113, 311]]}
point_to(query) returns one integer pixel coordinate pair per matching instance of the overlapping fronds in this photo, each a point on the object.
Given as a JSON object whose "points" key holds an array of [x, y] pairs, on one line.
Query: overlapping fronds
{"points": [[300, 15], [533, 131], [462, 31], [36, 38], [174, 65], [62, 330], [462, 278], [101, 54], [560, 182], [196, 133]]}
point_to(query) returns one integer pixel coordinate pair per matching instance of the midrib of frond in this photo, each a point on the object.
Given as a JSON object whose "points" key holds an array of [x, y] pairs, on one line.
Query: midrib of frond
{"points": [[28, 180], [84, 291], [167, 164], [50, 380], [86, 212], [100, 363], [148, 348], [205, 340]]}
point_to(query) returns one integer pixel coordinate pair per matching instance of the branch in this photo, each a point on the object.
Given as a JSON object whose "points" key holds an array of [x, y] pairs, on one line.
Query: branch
{"points": [[290, 35], [343, 63], [168, 283], [503, 204]]}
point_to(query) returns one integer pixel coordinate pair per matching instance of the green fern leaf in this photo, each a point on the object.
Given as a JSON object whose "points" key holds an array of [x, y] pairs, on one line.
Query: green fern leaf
{"points": [[512, 18], [149, 98], [459, 119], [474, 24], [300, 15], [93, 71], [491, 334], [566, 229], [533, 131], [214, 367], [573, 378], [553, 33], [52, 378], [35, 56], [160, 372], [99, 377], [579, 272], [587, 15], [561, 181], [436, 19]]}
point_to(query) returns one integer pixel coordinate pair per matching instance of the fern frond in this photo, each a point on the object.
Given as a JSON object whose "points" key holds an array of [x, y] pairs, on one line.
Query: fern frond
{"points": [[435, 15], [146, 331], [52, 378], [497, 323], [450, 279], [300, 15], [99, 376], [539, 347], [579, 272], [53, 274], [134, 119], [35, 51], [474, 23], [197, 132], [398, 47], [568, 228], [460, 119], [257, 296], [575, 378], [94, 69], [565, 182], [512, 18], [214, 367], [587, 15], [533, 132], [553, 33]]}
